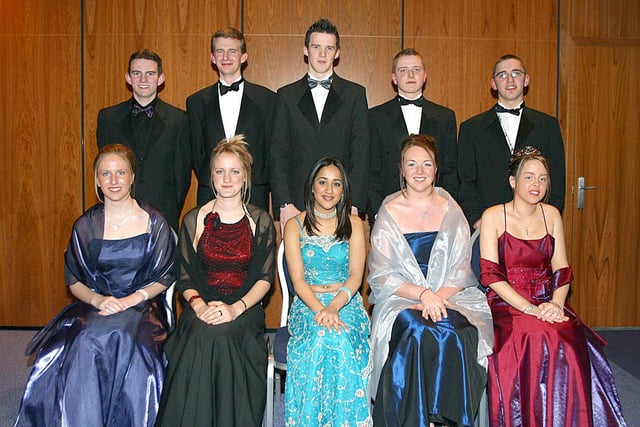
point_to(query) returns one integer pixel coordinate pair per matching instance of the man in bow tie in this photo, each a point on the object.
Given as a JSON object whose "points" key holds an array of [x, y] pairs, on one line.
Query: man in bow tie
{"points": [[487, 141], [157, 133], [319, 115], [408, 113], [232, 106]]}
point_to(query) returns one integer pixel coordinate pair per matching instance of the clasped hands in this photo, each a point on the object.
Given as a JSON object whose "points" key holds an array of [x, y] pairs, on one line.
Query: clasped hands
{"points": [[329, 318], [549, 312], [109, 305], [432, 305], [215, 312]]}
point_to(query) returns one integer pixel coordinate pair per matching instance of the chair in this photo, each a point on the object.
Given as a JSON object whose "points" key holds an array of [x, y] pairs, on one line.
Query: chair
{"points": [[482, 418], [278, 349]]}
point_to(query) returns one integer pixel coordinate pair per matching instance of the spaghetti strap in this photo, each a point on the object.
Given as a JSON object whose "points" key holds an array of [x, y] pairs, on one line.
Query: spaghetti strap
{"points": [[504, 210], [545, 219], [300, 225]]}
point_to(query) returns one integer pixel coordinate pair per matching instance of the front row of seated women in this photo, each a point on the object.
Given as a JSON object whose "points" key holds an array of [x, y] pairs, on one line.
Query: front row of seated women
{"points": [[101, 361]]}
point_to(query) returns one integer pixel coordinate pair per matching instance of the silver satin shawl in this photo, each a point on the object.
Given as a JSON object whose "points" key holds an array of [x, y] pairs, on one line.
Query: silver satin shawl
{"points": [[392, 263]]}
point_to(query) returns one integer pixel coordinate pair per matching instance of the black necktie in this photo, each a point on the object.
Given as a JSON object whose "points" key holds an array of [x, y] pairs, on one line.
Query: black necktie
{"points": [[419, 102], [136, 110], [235, 86], [514, 111], [324, 83]]}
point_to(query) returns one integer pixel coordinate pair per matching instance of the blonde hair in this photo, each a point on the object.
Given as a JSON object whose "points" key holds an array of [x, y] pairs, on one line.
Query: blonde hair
{"points": [[119, 150], [239, 148]]}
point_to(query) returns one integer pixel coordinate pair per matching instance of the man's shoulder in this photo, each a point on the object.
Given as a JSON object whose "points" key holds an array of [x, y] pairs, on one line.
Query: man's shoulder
{"points": [[115, 109], [169, 109], [480, 119], [203, 95], [343, 84], [437, 108], [258, 90], [385, 107], [537, 115]]}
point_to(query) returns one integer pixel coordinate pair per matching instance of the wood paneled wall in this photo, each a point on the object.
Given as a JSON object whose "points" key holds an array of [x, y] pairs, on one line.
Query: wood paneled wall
{"points": [[42, 78]]}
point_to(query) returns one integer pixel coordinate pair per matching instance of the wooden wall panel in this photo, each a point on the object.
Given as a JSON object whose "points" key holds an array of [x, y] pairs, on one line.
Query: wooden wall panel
{"points": [[40, 133], [461, 41]]}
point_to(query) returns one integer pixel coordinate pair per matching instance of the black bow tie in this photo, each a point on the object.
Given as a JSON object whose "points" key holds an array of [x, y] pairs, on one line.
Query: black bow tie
{"points": [[324, 83], [235, 86], [136, 110], [514, 111], [419, 102]]}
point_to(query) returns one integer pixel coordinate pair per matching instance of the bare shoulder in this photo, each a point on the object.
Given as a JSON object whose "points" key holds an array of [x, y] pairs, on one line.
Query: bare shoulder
{"points": [[356, 223], [492, 213]]}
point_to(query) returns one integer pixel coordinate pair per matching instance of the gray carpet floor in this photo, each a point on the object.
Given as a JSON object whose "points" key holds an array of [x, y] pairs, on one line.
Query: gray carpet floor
{"points": [[623, 352]]}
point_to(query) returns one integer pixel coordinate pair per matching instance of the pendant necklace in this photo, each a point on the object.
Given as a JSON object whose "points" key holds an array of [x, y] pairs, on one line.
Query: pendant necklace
{"points": [[117, 227], [423, 214], [323, 215], [526, 228]]}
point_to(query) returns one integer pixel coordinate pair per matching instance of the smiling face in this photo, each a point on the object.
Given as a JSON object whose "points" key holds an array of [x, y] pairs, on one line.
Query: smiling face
{"points": [[228, 58], [114, 177], [228, 176], [409, 76], [532, 181], [418, 169], [328, 187], [322, 52], [509, 80], [144, 80]]}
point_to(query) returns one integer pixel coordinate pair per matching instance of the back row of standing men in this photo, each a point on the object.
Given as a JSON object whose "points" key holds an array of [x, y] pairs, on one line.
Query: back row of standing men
{"points": [[323, 114]]}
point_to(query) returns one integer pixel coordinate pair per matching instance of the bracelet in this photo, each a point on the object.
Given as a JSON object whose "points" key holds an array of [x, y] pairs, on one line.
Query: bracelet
{"points": [[243, 303], [529, 308], [422, 293], [346, 291], [193, 298], [144, 293], [557, 304]]}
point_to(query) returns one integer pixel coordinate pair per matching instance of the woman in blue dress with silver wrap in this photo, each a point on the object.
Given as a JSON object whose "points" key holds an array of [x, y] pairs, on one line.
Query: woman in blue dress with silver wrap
{"points": [[431, 328], [328, 361]]}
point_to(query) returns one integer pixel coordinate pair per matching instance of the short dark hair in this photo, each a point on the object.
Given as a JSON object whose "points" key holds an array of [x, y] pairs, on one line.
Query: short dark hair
{"points": [[145, 54], [229, 33], [426, 142], [506, 58], [322, 26], [343, 208], [409, 51]]}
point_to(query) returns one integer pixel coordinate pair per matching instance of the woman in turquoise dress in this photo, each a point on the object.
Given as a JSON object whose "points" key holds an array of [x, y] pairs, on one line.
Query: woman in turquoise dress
{"points": [[100, 362], [328, 362]]}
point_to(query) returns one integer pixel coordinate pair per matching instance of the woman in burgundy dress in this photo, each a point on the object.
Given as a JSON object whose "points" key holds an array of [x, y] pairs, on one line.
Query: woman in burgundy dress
{"points": [[547, 368], [217, 355]]}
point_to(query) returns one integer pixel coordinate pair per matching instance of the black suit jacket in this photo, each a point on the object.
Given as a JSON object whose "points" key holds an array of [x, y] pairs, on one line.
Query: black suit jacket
{"points": [[299, 140], [388, 129], [483, 159], [163, 176], [207, 129]]}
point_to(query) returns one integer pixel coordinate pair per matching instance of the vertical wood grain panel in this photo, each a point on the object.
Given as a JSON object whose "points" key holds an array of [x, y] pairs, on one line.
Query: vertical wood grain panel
{"points": [[40, 133]]}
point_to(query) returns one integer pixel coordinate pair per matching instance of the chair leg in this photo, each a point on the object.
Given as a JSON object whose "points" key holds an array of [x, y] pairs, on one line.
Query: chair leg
{"points": [[268, 410]]}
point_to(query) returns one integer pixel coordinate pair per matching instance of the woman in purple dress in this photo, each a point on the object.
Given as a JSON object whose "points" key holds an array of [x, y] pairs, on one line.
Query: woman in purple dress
{"points": [[100, 361], [217, 355], [547, 367]]}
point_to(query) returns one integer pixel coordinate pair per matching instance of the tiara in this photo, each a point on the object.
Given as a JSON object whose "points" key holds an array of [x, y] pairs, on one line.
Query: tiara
{"points": [[527, 151]]}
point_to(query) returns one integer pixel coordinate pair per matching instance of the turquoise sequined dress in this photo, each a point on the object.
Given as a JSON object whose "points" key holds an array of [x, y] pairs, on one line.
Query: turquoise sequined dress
{"points": [[327, 372]]}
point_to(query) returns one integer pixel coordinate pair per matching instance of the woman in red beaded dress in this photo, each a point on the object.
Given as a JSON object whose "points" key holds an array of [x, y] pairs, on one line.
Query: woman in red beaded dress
{"points": [[217, 355], [547, 368]]}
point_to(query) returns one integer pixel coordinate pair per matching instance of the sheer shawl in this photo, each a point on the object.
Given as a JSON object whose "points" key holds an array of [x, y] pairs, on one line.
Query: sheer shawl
{"points": [[392, 263], [191, 274], [81, 256]]}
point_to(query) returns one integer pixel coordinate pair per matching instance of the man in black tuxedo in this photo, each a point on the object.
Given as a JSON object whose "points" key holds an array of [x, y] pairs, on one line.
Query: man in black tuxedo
{"points": [[488, 140], [232, 106], [408, 113], [158, 134], [319, 115]]}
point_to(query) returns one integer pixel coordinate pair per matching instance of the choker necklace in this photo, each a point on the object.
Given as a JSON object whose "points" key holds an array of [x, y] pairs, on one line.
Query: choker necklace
{"points": [[323, 215], [526, 227], [117, 227], [423, 214]]}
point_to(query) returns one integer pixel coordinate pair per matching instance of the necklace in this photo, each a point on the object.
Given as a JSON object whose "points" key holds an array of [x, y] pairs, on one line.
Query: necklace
{"points": [[117, 227], [323, 215], [423, 214], [526, 227]]}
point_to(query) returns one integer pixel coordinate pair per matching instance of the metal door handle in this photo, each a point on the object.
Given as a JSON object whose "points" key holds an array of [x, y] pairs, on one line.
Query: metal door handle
{"points": [[581, 189]]}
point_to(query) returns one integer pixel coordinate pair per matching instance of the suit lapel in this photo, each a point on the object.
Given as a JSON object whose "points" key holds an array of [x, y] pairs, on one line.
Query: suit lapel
{"points": [[525, 128], [126, 124], [158, 123], [494, 127], [334, 101], [213, 114], [247, 107], [307, 107]]}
